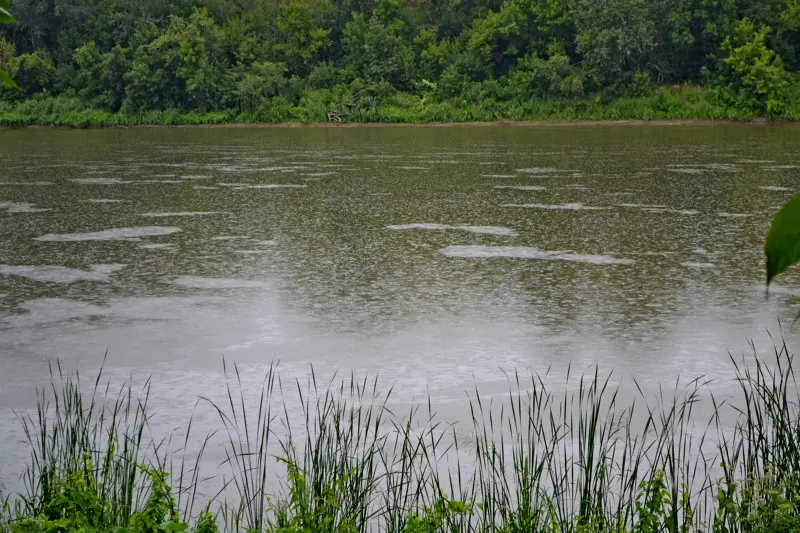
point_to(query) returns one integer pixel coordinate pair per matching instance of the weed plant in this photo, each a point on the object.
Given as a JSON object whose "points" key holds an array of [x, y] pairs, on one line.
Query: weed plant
{"points": [[344, 461]]}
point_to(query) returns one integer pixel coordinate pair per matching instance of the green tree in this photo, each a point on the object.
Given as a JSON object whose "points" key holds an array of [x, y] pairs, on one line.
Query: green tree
{"points": [[6, 48], [520, 27], [376, 50], [260, 82], [537, 77], [299, 36], [751, 76], [99, 77], [32, 72], [183, 67], [613, 37], [695, 30]]}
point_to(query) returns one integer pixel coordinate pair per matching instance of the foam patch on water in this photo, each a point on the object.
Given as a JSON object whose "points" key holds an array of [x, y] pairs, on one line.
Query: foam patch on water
{"points": [[524, 252], [487, 230], [642, 206], [158, 246], [558, 207], [687, 212], [13, 207], [102, 201], [733, 215], [723, 167], [782, 167], [689, 171], [267, 243], [99, 181], [61, 274], [166, 214], [319, 174], [197, 177], [228, 238], [691, 264], [774, 188], [755, 161], [521, 187], [538, 170], [113, 234], [251, 252], [198, 282], [502, 176], [204, 188]]}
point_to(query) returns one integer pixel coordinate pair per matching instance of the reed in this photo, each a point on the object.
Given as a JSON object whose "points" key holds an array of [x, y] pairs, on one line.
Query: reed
{"points": [[333, 456]]}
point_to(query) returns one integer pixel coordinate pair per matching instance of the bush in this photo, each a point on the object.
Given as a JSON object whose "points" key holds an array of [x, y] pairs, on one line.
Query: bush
{"points": [[751, 77]]}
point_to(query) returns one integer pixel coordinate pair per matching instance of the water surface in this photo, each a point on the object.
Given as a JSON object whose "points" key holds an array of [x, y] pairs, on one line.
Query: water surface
{"points": [[436, 257]]}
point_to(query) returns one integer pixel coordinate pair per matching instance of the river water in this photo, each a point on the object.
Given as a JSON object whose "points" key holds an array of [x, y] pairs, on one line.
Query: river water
{"points": [[434, 257]]}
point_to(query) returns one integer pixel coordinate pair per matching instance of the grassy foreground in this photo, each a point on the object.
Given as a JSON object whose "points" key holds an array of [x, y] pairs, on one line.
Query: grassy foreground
{"points": [[582, 462], [666, 103]]}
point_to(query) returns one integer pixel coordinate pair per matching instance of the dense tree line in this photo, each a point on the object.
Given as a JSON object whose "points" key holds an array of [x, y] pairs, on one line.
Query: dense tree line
{"points": [[253, 55]]}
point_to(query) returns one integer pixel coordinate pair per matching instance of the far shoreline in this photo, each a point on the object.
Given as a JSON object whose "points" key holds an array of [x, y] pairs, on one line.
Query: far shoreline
{"points": [[475, 124]]}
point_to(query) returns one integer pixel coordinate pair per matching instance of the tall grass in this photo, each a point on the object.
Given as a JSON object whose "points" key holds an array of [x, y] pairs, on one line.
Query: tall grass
{"points": [[334, 456], [666, 103]]}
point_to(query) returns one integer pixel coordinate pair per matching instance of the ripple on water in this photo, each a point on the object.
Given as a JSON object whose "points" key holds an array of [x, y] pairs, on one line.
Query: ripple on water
{"points": [[687, 212], [538, 170], [524, 252], [61, 274], [521, 187], [734, 215], [158, 246], [689, 171], [199, 282], [487, 230], [503, 176], [165, 214], [241, 186], [558, 207], [24, 183], [102, 201], [774, 188], [99, 181], [13, 207], [113, 234], [782, 167], [691, 264]]}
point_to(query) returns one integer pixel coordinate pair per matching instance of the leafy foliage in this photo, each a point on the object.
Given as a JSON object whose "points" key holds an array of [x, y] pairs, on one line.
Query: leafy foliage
{"points": [[782, 246], [751, 76], [264, 59], [5, 49]]}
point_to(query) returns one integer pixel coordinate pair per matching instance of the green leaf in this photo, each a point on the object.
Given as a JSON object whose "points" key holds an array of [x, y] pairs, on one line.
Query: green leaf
{"points": [[783, 240], [4, 4], [5, 17], [6, 80]]}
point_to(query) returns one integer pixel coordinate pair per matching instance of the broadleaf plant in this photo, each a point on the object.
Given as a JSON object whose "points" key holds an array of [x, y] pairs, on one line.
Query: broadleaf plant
{"points": [[782, 246]]}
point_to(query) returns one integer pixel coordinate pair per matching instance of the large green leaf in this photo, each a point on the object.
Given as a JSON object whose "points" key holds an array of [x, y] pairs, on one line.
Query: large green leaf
{"points": [[5, 17], [783, 240]]}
